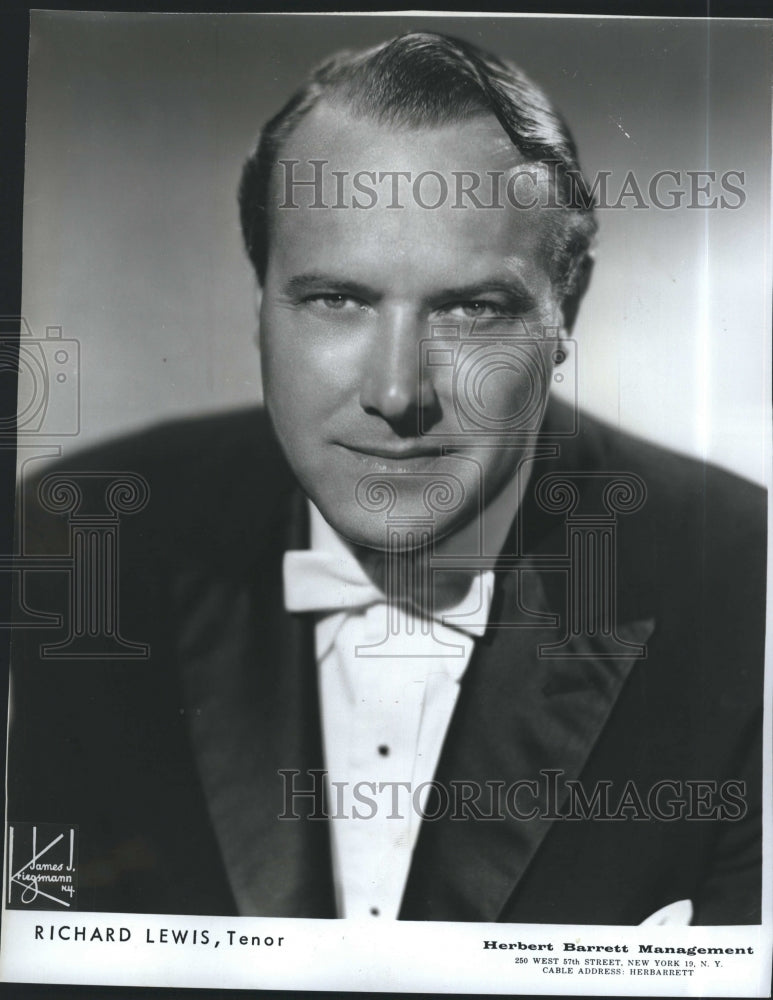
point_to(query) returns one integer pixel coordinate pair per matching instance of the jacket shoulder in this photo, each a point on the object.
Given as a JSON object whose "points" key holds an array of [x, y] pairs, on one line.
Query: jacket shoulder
{"points": [[213, 485], [683, 484], [699, 539]]}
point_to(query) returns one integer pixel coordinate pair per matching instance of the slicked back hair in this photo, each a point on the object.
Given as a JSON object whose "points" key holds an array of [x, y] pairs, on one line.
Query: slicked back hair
{"points": [[422, 79]]}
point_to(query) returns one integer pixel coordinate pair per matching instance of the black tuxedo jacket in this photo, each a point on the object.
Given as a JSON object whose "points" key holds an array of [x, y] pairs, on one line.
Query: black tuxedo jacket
{"points": [[139, 753]]}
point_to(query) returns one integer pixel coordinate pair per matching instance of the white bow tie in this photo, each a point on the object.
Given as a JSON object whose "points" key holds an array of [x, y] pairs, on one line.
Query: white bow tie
{"points": [[320, 581], [327, 583]]}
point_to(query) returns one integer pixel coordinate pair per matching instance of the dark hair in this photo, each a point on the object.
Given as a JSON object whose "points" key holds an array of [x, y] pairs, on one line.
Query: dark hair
{"points": [[423, 79]]}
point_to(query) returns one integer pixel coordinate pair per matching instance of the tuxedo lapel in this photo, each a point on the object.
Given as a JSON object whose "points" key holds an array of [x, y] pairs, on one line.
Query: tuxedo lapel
{"points": [[519, 717], [249, 678]]}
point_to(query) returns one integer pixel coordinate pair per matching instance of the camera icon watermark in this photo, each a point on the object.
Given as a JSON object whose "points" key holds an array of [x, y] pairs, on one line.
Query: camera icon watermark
{"points": [[500, 381], [48, 393]]}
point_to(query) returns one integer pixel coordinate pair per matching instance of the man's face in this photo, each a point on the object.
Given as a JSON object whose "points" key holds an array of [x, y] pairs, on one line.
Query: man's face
{"points": [[352, 296]]}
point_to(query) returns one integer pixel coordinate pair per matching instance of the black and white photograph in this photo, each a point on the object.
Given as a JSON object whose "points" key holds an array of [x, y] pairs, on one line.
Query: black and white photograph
{"points": [[390, 557]]}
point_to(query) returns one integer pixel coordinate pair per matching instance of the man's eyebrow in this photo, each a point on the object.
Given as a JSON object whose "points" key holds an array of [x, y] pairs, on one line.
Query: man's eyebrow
{"points": [[511, 287], [304, 284], [315, 281]]}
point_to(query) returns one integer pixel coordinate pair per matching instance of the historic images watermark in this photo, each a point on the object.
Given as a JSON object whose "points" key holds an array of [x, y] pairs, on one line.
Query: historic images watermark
{"points": [[48, 374], [549, 796], [93, 503], [501, 372], [49, 412], [522, 188]]}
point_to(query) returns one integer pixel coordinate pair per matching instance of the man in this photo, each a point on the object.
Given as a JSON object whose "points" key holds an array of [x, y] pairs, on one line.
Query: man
{"points": [[421, 645]]}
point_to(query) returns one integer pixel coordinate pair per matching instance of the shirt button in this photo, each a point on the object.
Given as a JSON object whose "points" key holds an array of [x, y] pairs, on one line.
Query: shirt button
{"points": [[374, 910], [384, 750]]}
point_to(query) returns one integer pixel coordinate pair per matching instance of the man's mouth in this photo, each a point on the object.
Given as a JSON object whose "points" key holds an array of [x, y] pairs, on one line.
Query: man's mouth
{"points": [[396, 452]]}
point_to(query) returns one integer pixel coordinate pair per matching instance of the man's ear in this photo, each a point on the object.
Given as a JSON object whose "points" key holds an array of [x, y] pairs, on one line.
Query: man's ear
{"points": [[571, 304]]}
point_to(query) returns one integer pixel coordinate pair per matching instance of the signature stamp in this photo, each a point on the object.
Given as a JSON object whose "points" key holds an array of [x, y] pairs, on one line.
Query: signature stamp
{"points": [[42, 872]]}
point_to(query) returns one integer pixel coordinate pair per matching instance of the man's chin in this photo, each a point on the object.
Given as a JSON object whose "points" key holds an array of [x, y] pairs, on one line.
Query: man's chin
{"points": [[372, 530]]}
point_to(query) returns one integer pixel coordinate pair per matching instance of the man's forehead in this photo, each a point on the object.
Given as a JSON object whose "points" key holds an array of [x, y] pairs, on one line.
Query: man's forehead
{"points": [[347, 187], [352, 143]]}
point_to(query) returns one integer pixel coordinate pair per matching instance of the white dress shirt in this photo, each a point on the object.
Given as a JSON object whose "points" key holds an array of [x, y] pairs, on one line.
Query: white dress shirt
{"points": [[384, 718]]}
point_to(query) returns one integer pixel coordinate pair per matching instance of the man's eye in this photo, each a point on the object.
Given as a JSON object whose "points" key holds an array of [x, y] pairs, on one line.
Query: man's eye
{"points": [[336, 301], [478, 309]]}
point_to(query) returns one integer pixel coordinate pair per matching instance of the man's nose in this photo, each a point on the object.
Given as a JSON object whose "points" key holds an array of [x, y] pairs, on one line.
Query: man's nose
{"points": [[396, 385]]}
